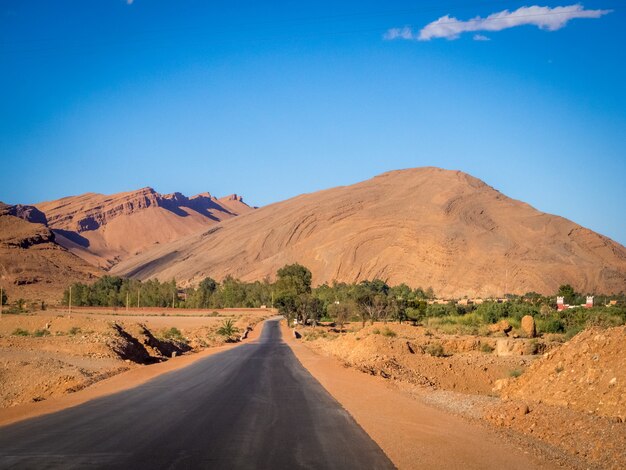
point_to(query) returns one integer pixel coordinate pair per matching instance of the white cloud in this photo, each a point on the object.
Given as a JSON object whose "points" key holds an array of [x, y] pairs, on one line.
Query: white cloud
{"points": [[546, 18], [480, 37], [399, 33], [129, 2]]}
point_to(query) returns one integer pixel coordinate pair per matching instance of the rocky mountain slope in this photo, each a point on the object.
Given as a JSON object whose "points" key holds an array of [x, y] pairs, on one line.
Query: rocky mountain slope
{"points": [[104, 229], [32, 265], [424, 226]]}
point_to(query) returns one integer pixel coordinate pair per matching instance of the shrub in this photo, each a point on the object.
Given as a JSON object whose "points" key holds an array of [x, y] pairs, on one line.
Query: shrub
{"points": [[40, 333], [228, 329], [486, 348], [435, 349], [376, 331], [20, 332], [572, 331], [74, 330], [389, 333], [173, 333], [515, 373], [550, 325]]}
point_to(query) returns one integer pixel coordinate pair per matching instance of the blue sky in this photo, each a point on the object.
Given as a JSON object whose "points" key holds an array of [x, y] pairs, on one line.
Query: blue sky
{"points": [[274, 100]]}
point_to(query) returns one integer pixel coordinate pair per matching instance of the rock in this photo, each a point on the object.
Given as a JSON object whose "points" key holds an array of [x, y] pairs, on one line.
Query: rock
{"points": [[173, 353], [502, 326], [499, 385], [523, 409], [505, 347], [528, 326], [613, 381]]}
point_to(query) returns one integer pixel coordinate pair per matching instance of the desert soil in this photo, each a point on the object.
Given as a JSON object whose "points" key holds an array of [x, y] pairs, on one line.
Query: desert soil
{"points": [[53, 353], [565, 404]]}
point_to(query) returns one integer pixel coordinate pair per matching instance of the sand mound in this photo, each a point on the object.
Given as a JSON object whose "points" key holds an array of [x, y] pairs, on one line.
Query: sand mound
{"points": [[586, 374]]}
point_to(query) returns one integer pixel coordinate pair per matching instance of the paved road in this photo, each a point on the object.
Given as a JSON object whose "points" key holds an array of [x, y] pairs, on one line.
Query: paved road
{"points": [[253, 406]]}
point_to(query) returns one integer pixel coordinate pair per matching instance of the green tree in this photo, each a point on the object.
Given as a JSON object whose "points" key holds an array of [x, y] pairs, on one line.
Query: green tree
{"points": [[567, 292], [293, 279], [292, 283], [340, 312]]}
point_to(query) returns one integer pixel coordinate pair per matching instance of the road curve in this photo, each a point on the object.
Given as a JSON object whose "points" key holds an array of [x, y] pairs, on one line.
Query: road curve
{"points": [[253, 406]]}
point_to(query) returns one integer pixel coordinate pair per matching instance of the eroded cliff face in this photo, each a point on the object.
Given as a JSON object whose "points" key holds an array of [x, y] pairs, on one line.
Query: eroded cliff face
{"points": [[426, 227], [32, 265], [105, 229]]}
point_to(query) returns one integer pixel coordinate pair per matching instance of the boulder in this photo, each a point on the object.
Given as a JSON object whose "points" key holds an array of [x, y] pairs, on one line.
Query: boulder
{"points": [[502, 326], [528, 326]]}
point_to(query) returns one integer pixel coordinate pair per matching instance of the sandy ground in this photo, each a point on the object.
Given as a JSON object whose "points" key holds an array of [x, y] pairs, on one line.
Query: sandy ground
{"points": [[502, 392], [411, 433], [51, 354]]}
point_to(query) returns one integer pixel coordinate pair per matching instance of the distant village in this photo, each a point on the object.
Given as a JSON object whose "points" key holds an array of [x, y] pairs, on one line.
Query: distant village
{"points": [[560, 302]]}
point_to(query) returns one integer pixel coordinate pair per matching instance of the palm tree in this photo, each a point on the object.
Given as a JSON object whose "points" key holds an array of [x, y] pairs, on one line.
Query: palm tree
{"points": [[228, 330]]}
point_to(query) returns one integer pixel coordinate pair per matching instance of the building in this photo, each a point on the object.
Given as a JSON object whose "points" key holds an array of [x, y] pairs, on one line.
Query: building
{"points": [[561, 305]]}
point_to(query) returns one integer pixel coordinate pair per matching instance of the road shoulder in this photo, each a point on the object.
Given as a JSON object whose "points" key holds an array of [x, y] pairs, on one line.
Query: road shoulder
{"points": [[412, 434]]}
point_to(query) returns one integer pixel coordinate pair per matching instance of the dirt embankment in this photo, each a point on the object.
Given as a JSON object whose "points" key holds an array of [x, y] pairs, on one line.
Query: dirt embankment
{"points": [[466, 364], [49, 355], [568, 401], [573, 397]]}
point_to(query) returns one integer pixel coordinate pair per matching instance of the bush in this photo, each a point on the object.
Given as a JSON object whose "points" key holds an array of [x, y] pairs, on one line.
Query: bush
{"points": [[40, 333], [439, 310], [228, 329], [515, 373], [550, 325], [20, 332], [173, 333], [486, 348], [74, 330], [435, 349], [389, 333]]}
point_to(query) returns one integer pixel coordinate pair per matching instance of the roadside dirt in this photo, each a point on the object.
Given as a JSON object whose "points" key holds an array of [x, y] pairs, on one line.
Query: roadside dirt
{"points": [[411, 433], [48, 355], [462, 376]]}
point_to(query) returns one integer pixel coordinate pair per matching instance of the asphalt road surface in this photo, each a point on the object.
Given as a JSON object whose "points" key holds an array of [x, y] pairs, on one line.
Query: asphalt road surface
{"points": [[253, 406]]}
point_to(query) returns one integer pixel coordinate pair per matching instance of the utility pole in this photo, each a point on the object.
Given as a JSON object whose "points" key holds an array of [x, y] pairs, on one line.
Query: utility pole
{"points": [[69, 303], [506, 282]]}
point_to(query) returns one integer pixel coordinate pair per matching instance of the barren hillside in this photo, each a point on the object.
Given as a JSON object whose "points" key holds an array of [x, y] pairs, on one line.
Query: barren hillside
{"points": [[104, 229], [424, 226], [32, 265]]}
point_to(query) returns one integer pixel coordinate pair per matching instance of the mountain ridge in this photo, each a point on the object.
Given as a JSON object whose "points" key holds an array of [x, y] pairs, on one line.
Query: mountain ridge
{"points": [[104, 229], [426, 227]]}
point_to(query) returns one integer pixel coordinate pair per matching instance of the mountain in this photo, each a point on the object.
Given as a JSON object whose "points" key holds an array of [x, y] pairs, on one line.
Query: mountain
{"points": [[32, 265], [425, 227], [104, 229]]}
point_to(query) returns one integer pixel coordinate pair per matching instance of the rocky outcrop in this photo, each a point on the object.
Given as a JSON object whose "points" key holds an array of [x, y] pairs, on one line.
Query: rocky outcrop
{"points": [[32, 265], [528, 326], [28, 213], [104, 229], [17, 232]]}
